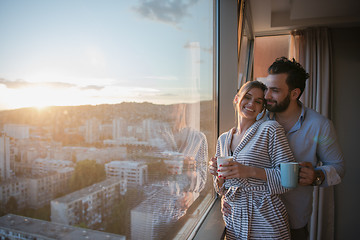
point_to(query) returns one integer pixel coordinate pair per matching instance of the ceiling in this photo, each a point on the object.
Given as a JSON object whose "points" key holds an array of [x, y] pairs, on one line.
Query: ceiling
{"points": [[271, 16]]}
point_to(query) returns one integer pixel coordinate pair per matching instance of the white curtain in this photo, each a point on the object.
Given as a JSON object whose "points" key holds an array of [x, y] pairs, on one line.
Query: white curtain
{"points": [[312, 49]]}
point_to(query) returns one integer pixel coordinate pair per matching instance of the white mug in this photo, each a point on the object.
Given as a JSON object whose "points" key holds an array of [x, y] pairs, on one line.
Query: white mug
{"points": [[222, 160]]}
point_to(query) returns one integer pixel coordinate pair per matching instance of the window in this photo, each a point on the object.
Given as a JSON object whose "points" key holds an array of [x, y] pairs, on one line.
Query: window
{"points": [[245, 44], [266, 50], [123, 84]]}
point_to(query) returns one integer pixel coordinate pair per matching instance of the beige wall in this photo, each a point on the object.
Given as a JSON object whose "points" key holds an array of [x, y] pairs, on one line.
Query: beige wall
{"points": [[228, 64], [346, 59]]}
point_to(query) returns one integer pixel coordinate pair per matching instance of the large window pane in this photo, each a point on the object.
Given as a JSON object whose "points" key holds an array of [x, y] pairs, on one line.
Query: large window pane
{"points": [[266, 50], [107, 116]]}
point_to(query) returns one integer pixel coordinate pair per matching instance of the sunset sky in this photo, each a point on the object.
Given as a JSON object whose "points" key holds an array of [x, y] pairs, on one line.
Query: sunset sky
{"points": [[76, 52]]}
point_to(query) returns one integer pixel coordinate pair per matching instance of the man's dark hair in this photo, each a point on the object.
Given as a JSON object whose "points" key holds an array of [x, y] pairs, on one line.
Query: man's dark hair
{"points": [[296, 73]]}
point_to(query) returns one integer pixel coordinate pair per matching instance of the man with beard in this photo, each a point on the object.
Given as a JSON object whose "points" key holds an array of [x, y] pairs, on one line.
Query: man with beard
{"points": [[311, 136], [312, 139]]}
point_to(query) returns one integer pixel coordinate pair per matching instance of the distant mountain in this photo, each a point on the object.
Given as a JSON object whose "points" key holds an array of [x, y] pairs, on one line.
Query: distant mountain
{"points": [[77, 115]]}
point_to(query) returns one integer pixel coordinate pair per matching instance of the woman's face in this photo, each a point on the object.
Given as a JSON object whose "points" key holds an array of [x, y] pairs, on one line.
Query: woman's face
{"points": [[252, 103]]}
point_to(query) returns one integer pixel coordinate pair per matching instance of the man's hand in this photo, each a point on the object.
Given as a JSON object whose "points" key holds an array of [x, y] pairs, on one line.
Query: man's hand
{"points": [[225, 207], [306, 174]]}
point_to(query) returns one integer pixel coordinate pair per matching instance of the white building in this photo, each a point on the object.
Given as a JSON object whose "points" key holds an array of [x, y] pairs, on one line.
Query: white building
{"points": [[89, 205], [151, 129], [92, 130], [119, 128], [5, 170], [134, 173], [17, 131], [44, 165]]}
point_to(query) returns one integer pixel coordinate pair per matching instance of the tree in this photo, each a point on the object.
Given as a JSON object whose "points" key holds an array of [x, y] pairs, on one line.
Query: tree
{"points": [[119, 222], [81, 225], [86, 173], [42, 213], [157, 170], [119, 218]]}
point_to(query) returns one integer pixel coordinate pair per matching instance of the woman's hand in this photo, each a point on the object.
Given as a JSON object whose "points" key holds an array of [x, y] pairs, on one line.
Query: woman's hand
{"points": [[213, 166], [234, 170], [185, 201], [237, 170], [225, 207], [214, 171]]}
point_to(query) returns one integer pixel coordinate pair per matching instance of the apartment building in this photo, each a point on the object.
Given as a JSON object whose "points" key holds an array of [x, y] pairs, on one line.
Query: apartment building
{"points": [[44, 165], [119, 128], [17, 188], [29, 150], [17, 131], [92, 130], [35, 191], [89, 205], [14, 227], [152, 218], [134, 173], [43, 188], [5, 170]]}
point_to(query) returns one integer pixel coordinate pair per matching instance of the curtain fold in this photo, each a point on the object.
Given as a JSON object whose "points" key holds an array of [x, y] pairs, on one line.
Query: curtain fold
{"points": [[312, 48]]}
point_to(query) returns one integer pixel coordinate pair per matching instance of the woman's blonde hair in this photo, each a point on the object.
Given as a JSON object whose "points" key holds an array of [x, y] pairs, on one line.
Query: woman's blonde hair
{"points": [[244, 90]]}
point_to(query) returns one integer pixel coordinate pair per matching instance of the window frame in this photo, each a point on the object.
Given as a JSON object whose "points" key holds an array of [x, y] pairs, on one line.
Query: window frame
{"points": [[226, 67]]}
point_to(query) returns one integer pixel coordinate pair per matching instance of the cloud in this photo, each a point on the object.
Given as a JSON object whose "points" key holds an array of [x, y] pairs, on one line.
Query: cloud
{"points": [[168, 95], [92, 87], [55, 84], [166, 11], [14, 84], [17, 84], [20, 84]]}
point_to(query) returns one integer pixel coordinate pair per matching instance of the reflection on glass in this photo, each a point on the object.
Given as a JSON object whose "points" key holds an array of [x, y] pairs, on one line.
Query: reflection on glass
{"points": [[185, 152], [105, 116]]}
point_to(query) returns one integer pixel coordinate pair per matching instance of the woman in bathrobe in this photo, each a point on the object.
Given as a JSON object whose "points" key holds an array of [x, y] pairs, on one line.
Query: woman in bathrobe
{"points": [[251, 185]]}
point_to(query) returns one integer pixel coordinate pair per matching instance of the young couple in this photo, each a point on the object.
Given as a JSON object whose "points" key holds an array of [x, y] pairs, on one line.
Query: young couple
{"points": [[254, 204]]}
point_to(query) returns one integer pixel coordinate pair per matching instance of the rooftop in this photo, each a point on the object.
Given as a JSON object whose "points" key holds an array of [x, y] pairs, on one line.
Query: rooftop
{"points": [[50, 230], [87, 191]]}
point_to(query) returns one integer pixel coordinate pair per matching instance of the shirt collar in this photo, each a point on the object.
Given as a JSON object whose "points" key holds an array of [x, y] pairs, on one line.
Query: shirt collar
{"points": [[297, 125], [301, 119]]}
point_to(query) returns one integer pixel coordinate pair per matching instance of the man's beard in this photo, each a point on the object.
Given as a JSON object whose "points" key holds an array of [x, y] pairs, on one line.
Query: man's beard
{"points": [[279, 107]]}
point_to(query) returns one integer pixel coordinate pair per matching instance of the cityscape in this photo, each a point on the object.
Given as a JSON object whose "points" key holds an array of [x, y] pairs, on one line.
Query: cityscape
{"points": [[127, 171], [107, 118]]}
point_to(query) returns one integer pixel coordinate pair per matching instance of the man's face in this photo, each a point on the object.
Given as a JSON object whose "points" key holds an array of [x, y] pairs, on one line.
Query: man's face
{"points": [[277, 94]]}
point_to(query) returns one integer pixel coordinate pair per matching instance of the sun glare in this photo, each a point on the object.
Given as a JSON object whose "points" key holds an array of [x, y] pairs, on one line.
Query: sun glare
{"points": [[38, 97]]}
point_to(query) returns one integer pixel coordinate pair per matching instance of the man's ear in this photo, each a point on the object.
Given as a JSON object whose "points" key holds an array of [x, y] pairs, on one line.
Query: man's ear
{"points": [[295, 93]]}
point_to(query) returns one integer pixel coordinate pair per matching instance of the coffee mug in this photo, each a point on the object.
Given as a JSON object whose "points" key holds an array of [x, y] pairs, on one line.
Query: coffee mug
{"points": [[222, 160], [289, 174]]}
